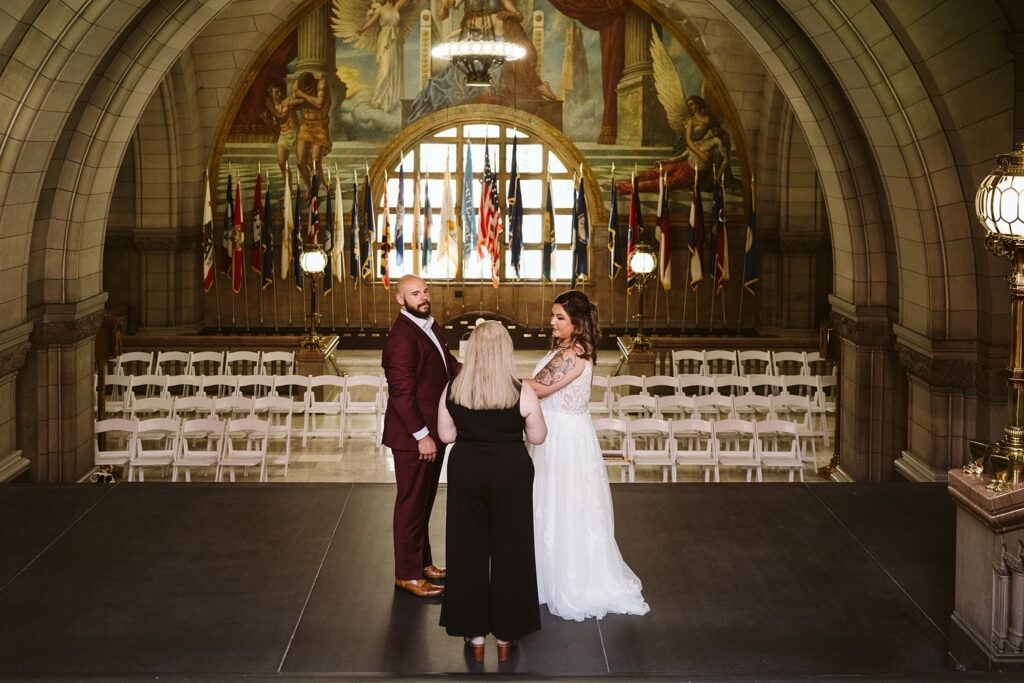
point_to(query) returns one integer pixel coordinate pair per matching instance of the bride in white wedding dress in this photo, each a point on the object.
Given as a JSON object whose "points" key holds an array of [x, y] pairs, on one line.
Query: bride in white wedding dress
{"points": [[580, 571]]}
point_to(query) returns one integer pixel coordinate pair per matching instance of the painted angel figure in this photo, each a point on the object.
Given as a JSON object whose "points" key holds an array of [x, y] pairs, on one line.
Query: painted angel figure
{"points": [[381, 27], [703, 145]]}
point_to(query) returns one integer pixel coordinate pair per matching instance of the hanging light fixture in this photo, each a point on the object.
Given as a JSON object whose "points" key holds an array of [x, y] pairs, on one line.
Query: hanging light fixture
{"points": [[478, 51]]}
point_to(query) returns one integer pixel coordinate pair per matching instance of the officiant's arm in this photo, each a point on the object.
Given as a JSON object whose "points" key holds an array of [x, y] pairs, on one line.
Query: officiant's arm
{"points": [[445, 424], [529, 408], [564, 367]]}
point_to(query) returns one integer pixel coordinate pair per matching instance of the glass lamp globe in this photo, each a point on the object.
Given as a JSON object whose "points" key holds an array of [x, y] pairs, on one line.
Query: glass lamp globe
{"points": [[999, 202], [641, 261], [313, 260]]}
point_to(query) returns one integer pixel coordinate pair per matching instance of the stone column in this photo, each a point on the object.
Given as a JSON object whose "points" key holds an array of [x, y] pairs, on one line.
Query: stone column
{"points": [[641, 117], [55, 391], [942, 404], [317, 52], [988, 608], [14, 346], [169, 280], [538, 41], [871, 411]]}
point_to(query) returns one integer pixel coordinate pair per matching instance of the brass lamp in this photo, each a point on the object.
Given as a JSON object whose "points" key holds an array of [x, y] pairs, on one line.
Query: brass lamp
{"points": [[1000, 208], [313, 261], [641, 262]]}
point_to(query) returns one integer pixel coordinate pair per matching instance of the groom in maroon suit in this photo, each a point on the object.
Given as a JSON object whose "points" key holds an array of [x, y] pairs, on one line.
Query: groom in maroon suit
{"points": [[418, 365]]}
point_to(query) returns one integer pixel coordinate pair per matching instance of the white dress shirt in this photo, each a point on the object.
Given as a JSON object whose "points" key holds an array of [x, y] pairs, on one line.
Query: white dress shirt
{"points": [[427, 325]]}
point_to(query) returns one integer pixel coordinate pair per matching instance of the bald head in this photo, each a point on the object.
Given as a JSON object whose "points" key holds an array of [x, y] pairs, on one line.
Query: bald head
{"points": [[414, 295]]}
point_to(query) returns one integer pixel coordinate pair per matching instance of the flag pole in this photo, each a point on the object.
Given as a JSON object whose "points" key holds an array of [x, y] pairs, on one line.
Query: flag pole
{"points": [[216, 290], [686, 292], [743, 281]]}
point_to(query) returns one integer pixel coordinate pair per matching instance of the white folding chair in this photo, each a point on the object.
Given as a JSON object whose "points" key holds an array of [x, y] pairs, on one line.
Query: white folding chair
{"points": [[326, 400], [661, 385], [687, 362], [363, 395], [766, 385], [156, 445], [802, 385], [172, 362], [277, 362], [827, 403], [712, 407], [234, 407], [179, 386], [296, 389], [206, 363], [798, 409], [277, 411], [117, 393], [719, 362], [816, 365], [731, 385], [648, 445], [245, 445], [147, 386], [113, 441], [677, 407], [242, 362], [599, 400], [636, 407], [692, 445], [696, 385], [254, 386], [148, 408], [613, 435], [789, 363], [623, 385], [778, 445], [200, 445], [194, 407], [754, 362], [219, 386], [135, 363], [734, 446], [752, 407]]}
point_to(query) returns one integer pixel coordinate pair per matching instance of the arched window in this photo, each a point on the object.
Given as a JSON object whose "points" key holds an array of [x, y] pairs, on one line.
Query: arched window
{"points": [[428, 159]]}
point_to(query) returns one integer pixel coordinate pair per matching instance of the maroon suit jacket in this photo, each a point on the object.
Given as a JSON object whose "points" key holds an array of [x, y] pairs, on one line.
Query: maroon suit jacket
{"points": [[416, 377]]}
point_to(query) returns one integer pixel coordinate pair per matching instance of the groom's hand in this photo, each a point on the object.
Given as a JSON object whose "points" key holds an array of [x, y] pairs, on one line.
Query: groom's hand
{"points": [[427, 448]]}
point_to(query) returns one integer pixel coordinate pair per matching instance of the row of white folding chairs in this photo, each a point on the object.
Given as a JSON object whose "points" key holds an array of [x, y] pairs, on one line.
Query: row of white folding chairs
{"points": [[204, 363], [184, 444], [606, 391], [709, 445], [328, 404], [747, 362]]}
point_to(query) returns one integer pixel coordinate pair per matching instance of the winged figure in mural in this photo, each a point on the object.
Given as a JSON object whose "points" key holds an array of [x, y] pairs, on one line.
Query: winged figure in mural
{"points": [[703, 146], [380, 27]]}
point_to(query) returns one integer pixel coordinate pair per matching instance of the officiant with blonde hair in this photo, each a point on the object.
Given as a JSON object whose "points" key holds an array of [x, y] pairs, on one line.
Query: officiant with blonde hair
{"points": [[492, 575]]}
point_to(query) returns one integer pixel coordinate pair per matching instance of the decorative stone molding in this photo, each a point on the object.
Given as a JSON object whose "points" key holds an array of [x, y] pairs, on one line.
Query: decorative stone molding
{"points": [[940, 373], [866, 333], [13, 357], [51, 333], [12, 465]]}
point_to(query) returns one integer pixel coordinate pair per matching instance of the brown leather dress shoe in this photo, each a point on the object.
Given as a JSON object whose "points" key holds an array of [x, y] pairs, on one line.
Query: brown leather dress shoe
{"points": [[435, 573], [419, 587]]}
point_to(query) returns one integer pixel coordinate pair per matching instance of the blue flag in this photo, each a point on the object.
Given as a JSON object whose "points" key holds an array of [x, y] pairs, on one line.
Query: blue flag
{"points": [[356, 243], [514, 201], [616, 240], [400, 218], [467, 210], [547, 238], [328, 240], [297, 240], [751, 264], [581, 237], [428, 224]]}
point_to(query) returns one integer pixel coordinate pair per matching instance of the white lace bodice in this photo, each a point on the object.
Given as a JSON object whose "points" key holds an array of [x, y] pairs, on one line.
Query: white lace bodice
{"points": [[573, 398]]}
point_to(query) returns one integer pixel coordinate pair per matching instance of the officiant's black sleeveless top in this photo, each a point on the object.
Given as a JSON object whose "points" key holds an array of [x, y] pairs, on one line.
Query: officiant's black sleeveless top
{"points": [[501, 425]]}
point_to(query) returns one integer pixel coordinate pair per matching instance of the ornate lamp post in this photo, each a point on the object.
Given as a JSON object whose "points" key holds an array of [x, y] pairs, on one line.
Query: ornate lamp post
{"points": [[313, 261], [1000, 208], [642, 263]]}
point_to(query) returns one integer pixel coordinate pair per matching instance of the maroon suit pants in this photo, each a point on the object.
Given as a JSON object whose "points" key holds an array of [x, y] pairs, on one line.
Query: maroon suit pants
{"points": [[417, 488]]}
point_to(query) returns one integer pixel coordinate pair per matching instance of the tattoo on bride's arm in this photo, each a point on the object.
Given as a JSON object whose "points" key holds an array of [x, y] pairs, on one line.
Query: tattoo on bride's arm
{"points": [[556, 369]]}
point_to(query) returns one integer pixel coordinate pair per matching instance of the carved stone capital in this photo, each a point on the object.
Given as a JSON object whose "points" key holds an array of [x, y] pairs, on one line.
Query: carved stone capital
{"points": [[51, 333], [940, 373], [866, 333], [13, 357]]}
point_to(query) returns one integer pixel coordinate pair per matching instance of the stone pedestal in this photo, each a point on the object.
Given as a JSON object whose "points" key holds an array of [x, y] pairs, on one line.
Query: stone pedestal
{"points": [[640, 363], [988, 609], [315, 362]]}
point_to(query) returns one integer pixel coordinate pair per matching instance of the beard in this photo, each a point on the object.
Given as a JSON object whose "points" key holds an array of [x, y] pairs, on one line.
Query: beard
{"points": [[419, 312]]}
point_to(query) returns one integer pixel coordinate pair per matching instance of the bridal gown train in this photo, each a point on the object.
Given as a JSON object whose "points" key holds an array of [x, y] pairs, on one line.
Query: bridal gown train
{"points": [[580, 571]]}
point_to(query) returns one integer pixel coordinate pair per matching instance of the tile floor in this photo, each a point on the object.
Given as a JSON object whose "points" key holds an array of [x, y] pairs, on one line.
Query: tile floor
{"points": [[360, 461]]}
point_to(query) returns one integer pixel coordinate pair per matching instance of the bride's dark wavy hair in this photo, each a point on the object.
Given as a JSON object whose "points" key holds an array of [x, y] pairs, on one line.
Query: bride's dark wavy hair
{"points": [[583, 315]]}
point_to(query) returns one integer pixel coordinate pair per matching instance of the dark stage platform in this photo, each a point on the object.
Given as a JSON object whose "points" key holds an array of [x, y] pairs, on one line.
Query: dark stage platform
{"points": [[129, 581]]}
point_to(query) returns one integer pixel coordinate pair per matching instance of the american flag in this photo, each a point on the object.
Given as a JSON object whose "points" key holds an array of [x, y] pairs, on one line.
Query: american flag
{"points": [[490, 219]]}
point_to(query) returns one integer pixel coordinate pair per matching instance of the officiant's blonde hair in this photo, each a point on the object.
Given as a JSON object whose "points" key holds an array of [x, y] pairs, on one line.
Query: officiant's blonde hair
{"points": [[487, 380]]}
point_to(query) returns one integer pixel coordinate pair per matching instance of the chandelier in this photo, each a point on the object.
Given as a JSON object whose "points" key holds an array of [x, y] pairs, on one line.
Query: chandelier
{"points": [[477, 51]]}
